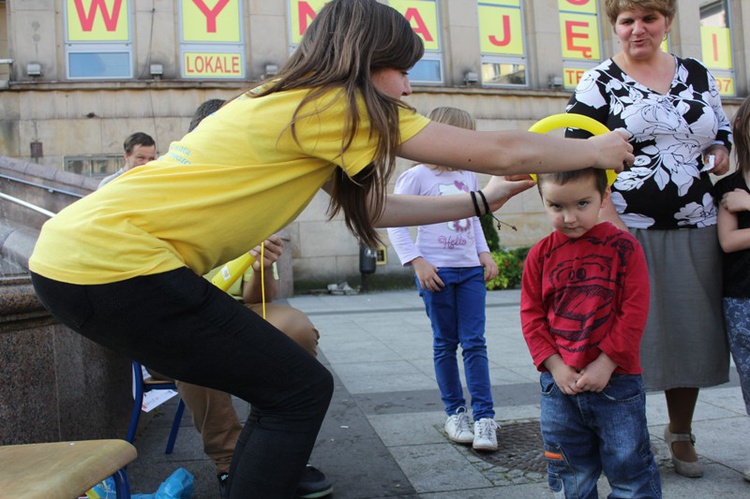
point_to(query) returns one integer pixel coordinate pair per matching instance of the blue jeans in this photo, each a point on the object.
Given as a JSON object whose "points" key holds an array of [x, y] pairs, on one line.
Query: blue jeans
{"points": [[737, 320], [591, 432], [456, 313], [182, 326]]}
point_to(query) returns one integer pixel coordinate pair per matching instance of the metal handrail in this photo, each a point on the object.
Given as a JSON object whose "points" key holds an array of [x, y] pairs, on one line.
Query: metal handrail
{"points": [[27, 205], [42, 186]]}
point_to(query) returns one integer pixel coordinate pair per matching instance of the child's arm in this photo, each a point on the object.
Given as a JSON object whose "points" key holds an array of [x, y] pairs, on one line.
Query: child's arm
{"points": [[480, 242], [542, 347], [427, 274], [622, 343], [566, 378], [489, 264], [731, 237], [595, 376]]}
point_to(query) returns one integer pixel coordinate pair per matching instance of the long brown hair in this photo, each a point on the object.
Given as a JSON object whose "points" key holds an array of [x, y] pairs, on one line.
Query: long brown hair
{"points": [[741, 133], [347, 41]]}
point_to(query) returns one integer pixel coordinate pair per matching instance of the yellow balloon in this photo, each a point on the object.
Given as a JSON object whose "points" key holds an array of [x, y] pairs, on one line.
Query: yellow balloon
{"points": [[571, 120]]}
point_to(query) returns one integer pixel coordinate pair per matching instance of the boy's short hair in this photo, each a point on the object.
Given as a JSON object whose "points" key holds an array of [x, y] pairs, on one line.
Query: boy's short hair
{"points": [[208, 107], [137, 139], [562, 178]]}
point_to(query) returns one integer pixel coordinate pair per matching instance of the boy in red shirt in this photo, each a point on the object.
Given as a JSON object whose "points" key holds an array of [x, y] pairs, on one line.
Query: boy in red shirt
{"points": [[584, 304]]}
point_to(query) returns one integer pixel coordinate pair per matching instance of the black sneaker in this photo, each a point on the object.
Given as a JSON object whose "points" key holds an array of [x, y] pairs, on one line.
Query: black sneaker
{"points": [[223, 481], [313, 484]]}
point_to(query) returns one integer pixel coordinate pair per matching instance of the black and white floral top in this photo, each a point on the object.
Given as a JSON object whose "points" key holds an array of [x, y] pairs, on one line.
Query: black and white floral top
{"points": [[665, 188]]}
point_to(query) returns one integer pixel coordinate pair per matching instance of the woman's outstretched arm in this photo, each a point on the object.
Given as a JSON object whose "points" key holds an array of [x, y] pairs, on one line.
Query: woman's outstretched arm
{"points": [[513, 152], [404, 210]]}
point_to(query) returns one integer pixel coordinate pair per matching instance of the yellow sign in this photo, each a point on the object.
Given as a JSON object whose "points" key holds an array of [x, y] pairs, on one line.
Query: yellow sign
{"points": [[211, 21], [717, 47], [98, 20], [571, 77], [212, 65], [726, 85], [582, 6], [579, 34], [507, 3], [500, 30], [302, 13], [422, 15]]}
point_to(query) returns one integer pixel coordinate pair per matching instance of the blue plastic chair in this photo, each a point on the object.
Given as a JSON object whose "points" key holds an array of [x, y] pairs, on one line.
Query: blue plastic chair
{"points": [[142, 386]]}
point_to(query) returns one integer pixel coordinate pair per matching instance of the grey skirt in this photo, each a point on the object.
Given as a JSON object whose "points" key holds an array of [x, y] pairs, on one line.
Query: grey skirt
{"points": [[684, 344]]}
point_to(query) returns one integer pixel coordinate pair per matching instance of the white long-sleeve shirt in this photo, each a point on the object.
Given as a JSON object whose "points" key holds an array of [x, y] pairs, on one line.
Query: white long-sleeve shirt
{"points": [[447, 244]]}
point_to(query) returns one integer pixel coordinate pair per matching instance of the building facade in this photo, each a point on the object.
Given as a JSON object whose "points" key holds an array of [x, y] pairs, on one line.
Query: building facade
{"points": [[77, 76]]}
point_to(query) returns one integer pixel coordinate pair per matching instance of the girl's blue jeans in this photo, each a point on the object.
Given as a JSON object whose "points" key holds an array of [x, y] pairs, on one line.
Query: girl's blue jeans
{"points": [[182, 326], [456, 313], [591, 432], [737, 320]]}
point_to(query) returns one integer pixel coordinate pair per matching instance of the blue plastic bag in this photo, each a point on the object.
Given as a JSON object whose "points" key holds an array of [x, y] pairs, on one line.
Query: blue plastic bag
{"points": [[103, 490], [179, 485]]}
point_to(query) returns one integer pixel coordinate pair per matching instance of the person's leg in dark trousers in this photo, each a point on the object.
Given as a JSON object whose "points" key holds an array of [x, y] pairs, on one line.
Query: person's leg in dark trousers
{"points": [[184, 327]]}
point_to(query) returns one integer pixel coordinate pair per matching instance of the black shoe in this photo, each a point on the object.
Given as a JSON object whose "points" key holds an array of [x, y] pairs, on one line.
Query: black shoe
{"points": [[223, 482], [313, 484]]}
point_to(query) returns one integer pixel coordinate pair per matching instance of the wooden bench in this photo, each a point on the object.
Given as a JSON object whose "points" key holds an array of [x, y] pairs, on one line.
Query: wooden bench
{"points": [[63, 470]]}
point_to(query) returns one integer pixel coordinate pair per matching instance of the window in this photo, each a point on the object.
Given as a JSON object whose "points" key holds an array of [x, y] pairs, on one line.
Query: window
{"points": [[421, 14], [99, 165], [423, 17], [98, 42], [502, 42], [211, 44], [579, 36], [716, 42]]}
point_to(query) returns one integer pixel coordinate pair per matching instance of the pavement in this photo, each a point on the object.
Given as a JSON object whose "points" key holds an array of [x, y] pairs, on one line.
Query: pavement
{"points": [[383, 434]]}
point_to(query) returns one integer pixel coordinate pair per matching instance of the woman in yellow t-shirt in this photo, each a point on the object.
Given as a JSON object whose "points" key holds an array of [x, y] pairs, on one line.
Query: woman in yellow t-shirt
{"points": [[123, 265]]}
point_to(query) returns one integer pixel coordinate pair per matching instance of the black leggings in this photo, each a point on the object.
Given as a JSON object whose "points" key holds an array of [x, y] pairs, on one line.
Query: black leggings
{"points": [[179, 324]]}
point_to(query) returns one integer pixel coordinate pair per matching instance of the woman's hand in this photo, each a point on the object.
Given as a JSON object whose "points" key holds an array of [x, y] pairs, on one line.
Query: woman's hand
{"points": [[500, 189], [721, 159], [611, 154]]}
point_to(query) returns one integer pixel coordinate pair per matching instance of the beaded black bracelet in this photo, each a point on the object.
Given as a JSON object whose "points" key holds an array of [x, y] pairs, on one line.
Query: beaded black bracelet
{"points": [[476, 204], [486, 204]]}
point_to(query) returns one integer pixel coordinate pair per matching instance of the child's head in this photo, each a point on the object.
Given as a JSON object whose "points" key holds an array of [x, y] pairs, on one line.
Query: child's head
{"points": [[573, 199], [451, 116], [741, 132], [205, 109]]}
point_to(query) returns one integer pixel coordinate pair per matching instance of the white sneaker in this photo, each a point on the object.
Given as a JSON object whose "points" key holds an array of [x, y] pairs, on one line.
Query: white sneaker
{"points": [[485, 434], [457, 427]]}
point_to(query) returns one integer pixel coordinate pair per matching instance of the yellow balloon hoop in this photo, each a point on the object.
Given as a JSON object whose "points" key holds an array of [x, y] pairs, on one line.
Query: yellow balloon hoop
{"points": [[571, 120]]}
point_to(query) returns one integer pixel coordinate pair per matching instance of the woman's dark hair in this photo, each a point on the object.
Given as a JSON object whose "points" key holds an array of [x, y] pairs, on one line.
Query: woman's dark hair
{"points": [[741, 133]]}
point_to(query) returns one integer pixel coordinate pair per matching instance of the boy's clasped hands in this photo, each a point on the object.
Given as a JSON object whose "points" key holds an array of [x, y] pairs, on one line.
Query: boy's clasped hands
{"points": [[592, 378]]}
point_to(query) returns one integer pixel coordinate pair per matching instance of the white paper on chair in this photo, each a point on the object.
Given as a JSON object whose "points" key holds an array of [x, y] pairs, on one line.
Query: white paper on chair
{"points": [[154, 398]]}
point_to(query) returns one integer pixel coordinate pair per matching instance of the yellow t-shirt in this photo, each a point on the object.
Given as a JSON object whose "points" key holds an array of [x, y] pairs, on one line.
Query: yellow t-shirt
{"points": [[223, 188]]}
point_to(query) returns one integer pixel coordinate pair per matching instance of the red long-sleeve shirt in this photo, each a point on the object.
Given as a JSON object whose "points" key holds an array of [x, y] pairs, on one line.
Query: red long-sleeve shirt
{"points": [[584, 296]]}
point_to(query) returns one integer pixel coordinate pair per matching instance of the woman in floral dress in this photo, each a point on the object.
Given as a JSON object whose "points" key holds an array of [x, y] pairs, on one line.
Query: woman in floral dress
{"points": [[680, 133]]}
